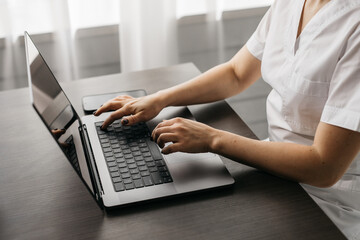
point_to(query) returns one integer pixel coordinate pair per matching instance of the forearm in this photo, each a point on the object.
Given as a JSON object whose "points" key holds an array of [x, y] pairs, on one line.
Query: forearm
{"points": [[218, 83], [292, 161]]}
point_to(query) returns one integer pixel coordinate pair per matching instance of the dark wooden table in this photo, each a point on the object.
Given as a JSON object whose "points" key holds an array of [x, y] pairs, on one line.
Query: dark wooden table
{"points": [[42, 198]]}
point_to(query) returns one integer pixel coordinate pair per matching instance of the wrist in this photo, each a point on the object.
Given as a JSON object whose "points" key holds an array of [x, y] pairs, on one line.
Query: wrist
{"points": [[163, 97], [215, 141]]}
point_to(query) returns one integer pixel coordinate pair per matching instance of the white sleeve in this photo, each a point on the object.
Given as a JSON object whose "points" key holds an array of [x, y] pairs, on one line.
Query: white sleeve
{"points": [[342, 108], [256, 43]]}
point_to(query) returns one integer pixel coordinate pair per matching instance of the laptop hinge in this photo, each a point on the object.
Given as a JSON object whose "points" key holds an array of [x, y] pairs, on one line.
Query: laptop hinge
{"points": [[92, 165]]}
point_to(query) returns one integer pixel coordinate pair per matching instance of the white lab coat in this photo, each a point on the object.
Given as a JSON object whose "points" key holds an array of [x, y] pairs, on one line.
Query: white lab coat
{"points": [[315, 77]]}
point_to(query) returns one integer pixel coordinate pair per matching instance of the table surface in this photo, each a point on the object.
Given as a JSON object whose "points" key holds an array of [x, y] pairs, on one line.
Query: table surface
{"points": [[41, 197]]}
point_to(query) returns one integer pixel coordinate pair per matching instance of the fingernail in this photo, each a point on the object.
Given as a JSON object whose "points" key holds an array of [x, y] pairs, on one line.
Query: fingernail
{"points": [[94, 112], [125, 121], [102, 127]]}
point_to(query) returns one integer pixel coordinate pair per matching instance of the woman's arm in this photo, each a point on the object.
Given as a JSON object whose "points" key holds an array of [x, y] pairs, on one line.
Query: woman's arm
{"points": [[321, 164], [218, 83]]}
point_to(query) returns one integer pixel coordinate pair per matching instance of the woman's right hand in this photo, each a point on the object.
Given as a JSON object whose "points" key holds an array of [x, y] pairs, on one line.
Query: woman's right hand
{"points": [[131, 110]]}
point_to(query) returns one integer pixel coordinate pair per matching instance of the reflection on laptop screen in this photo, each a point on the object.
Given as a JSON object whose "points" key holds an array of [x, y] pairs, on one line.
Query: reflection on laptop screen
{"points": [[55, 110]]}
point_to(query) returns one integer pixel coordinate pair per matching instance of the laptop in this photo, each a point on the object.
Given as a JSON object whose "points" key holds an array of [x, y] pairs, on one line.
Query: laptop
{"points": [[122, 165]]}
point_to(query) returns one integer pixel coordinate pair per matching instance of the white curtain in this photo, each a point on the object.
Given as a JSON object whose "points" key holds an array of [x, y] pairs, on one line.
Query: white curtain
{"points": [[138, 34], [51, 19], [147, 34]]}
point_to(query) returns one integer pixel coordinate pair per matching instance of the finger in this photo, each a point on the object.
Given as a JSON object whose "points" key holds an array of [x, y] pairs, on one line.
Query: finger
{"points": [[58, 132], [169, 122], [160, 130], [165, 138], [108, 106], [115, 115], [175, 147], [132, 119], [123, 97]]}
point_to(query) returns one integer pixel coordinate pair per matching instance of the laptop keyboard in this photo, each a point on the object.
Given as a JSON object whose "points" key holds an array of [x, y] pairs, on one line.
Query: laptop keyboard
{"points": [[133, 160], [70, 152]]}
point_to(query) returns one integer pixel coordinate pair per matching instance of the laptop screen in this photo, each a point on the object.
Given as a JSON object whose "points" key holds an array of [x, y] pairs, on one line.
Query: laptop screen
{"points": [[56, 111]]}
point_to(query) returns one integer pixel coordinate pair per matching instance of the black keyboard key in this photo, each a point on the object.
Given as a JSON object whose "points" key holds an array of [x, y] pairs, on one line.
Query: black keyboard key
{"points": [[160, 163], [137, 153], [162, 169], [157, 178], [102, 136], [116, 179], [122, 165], [127, 151], [143, 150], [138, 183], [143, 145], [134, 171], [129, 161], [138, 158], [136, 176], [153, 169], [111, 164], [145, 173], [129, 186], [119, 187], [128, 156], [120, 160], [151, 164], [105, 145], [125, 175], [115, 145], [107, 149], [148, 181], [127, 180], [115, 174], [148, 154], [113, 169], [155, 152], [140, 163], [143, 168], [135, 148], [132, 166], [110, 159], [167, 179], [164, 174], [117, 150], [118, 155]]}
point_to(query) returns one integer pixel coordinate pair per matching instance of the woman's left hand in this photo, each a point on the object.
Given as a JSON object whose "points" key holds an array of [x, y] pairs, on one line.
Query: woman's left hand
{"points": [[185, 135]]}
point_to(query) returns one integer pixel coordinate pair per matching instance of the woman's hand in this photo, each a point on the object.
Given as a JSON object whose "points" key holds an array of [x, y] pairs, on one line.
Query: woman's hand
{"points": [[185, 135], [133, 110]]}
